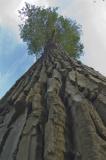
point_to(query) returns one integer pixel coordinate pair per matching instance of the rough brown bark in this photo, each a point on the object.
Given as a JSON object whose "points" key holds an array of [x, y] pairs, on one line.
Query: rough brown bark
{"points": [[55, 111]]}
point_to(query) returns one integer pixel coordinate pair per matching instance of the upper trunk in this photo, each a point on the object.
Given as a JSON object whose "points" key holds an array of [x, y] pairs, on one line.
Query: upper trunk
{"points": [[55, 111]]}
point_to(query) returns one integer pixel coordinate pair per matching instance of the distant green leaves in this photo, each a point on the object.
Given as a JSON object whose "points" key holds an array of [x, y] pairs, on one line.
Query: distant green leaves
{"points": [[38, 25]]}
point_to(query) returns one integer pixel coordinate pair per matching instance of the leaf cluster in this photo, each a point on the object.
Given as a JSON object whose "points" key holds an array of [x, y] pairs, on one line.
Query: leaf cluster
{"points": [[42, 24]]}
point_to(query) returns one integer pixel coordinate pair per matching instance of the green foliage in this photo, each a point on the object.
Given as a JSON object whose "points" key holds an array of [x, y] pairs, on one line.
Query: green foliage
{"points": [[39, 24]]}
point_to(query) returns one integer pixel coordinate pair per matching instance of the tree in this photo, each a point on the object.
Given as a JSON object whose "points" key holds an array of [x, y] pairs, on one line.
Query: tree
{"points": [[39, 25], [55, 111]]}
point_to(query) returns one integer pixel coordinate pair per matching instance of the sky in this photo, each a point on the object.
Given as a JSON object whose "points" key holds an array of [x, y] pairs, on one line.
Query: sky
{"points": [[14, 59]]}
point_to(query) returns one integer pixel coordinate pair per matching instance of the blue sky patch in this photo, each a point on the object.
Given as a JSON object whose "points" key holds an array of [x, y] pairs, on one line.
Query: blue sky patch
{"points": [[14, 60]]}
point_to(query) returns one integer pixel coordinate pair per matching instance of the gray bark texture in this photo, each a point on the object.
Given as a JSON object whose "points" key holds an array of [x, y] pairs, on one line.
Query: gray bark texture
{"points": [[55, 111]]}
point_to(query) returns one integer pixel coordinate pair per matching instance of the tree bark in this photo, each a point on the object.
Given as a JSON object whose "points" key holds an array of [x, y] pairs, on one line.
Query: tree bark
{"points": [[55, 111]]}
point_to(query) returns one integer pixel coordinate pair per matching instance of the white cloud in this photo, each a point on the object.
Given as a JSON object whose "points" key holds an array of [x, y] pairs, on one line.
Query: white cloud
{"points": [[8, 12], [93, 19]]}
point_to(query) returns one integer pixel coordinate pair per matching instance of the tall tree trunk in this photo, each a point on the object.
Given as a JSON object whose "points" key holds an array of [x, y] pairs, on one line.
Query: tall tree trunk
{"points": [[55, 111]]}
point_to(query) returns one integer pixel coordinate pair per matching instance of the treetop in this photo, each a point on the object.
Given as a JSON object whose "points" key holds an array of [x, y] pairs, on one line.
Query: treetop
{"points": [[41, 24]]}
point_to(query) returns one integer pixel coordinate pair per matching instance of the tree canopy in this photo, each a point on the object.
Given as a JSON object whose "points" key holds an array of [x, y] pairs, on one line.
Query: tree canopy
{"points": [[42, 24]]}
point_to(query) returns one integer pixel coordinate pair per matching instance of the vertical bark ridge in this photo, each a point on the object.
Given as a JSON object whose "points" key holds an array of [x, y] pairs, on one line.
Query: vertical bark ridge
{"points": [[54, 129], [30, 146]]}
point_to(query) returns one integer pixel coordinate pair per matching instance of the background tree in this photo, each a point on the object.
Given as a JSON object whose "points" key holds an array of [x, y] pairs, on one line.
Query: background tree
{"points": [[40, 25]]}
